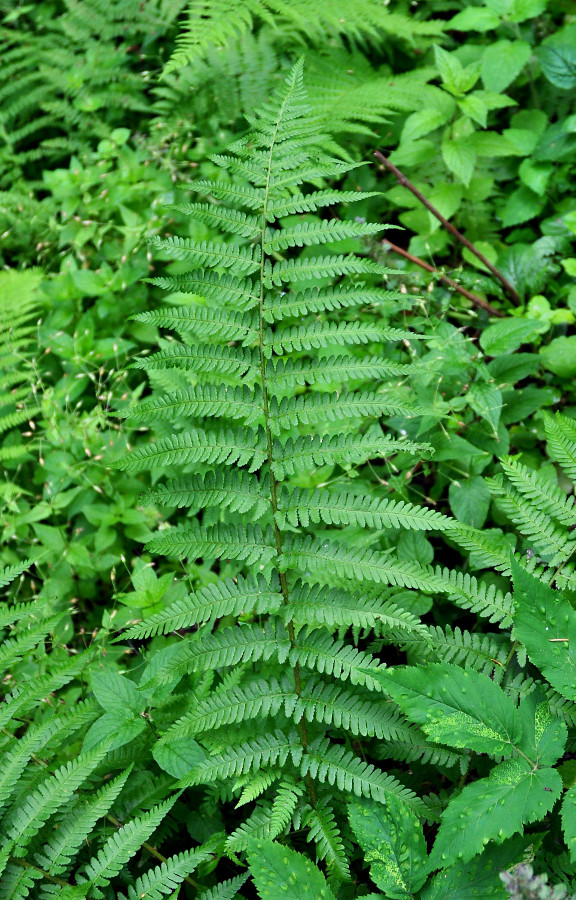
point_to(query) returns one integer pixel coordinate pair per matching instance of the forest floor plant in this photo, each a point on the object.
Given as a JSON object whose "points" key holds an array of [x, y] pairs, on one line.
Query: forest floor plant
{"points": [[311, 635]]}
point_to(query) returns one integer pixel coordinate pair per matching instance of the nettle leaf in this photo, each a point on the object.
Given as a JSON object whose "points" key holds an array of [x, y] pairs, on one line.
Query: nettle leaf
{"points": [[545, 622], [470, 500], [569, 821], [479, 878], [502, 62], [454, 707], [494, 808], [393, 844], [280, 871]]}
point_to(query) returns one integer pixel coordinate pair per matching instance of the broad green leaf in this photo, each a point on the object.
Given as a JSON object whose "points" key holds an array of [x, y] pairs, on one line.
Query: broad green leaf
{"points": [[494, 808], [558, 63], [520, 10], [393, 844], [279, 871], [535, 175], [456, 707], [502, 62], [470, 500], [460, 157], [474, 19], [521, 206], [545, 623], [116, 693], [569, 821], [509, 334], [114, 729], [479, 878], [179, 756], [486, 401], [559, 356], [456, 78]]}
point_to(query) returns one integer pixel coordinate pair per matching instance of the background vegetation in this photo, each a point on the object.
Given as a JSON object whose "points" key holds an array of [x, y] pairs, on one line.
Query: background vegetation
{"points": [[287, 496]]}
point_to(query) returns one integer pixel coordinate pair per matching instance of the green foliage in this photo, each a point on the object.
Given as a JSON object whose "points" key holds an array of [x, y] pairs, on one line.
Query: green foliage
{"points": [[287, 538]]}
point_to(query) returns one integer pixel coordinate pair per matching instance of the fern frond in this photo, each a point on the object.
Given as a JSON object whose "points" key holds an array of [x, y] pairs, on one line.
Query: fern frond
{"points": [[77, 826], [290, 373], [228, 647], [301, 507], [284, 806], [306, 453], [248, 543], [267, 750], [24, 821], [561, 442], [9, 574], [245, 260], [203, 401], [165, 878], [300, 303], [205, 321], [315, 605], [325, 834], [225, 598], [219, 288], [317, 335], [309, 234], [122, 846], [244, 447], [337, 766], [203, 358], [235, 490]]}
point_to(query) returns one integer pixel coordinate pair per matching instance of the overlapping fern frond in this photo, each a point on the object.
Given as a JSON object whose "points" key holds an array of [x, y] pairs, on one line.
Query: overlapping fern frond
{"points": [[275, 389]]}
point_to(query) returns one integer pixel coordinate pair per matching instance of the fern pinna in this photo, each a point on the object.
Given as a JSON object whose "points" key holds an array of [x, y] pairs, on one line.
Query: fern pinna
{"points": [[251, 410]]}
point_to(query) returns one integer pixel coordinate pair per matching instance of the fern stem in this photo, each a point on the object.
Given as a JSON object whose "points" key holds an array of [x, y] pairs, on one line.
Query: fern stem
{"points": [[302, 729]]}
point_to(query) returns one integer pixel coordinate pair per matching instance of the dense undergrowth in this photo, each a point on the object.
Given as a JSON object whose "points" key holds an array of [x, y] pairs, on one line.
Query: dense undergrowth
{"points": [[288, 449]]}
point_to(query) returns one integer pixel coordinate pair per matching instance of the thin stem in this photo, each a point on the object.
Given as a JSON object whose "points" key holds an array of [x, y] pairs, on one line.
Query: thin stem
{"points": [[26, 865], [405, 182], [302, 729], [456, 287]]}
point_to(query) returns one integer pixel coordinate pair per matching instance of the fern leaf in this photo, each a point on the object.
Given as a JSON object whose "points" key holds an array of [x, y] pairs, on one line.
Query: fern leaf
{"points": [[305, 453], [234, 490], [225, 598], [221, 217], [10, 573], [24, 821], [289, 373], [248, 543], [203, 400], [244, 447], [312, 233], [300, 303], [206, 253], [325, 834], [284, 806], [123, 845], [77, 826], [219, 288], [300, 507], [561, 441], [205, 321], [203, 358], [337, 766], [227, 647], [267, 750], [316, 335], [166, 877]]}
